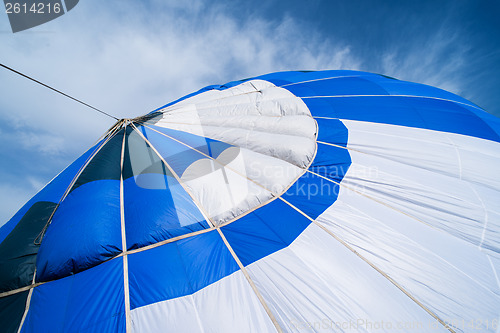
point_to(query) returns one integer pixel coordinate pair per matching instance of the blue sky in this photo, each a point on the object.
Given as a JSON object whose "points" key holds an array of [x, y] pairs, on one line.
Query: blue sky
{"points": [[128, 57]]}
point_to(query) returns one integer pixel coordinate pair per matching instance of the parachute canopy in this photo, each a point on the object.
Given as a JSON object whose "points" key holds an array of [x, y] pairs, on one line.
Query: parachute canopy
{"points": [[293, 201]]}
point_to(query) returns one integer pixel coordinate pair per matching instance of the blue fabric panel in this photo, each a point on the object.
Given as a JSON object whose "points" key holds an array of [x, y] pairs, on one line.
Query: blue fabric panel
{"points": [[405, 111], [178, 269], [52, 192], [207, 146], [294, 77], [139, 158], [177, 155], [331, 161], [90, 301], [337, 86], [492, 121], [279, 79], [332, 131], [155, 214], [156, 275], [451, 117], [84, 232], [389, 110], [264, 231], [312, 194], [379, 109], [397, 87]]}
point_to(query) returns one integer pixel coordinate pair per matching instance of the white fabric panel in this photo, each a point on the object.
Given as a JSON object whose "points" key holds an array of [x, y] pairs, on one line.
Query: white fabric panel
{"points": [[412, 208], [212, 96], [295, 125], [273, 134], [223, 192], [479, 161], [229, 305], [495, 267], [429, 175], [237, 181], [271, 121], [318, 285], [176, 315], [274, 174], [450, 276], [457, 155], [293, 149], [255, 97]]}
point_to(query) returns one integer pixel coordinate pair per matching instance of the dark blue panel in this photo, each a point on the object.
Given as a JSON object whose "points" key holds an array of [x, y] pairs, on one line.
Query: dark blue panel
{"points": [[12, 310], [84, 232], [19, 249], [155, 213], [52, 192], [207, 146], [179, 268], [90, 301], [139, 158], [105, 164], [264, 231]]}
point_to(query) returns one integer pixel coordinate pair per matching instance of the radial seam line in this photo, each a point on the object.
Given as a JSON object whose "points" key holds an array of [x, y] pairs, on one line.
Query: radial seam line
{"points": [[126, 290], [372, 265], [195, 201], [250, 281], [409, 96], [321, 79], [30, 287], [28, 303], [374, 199], [274, 195], [121, 254], [170, 240], [163, 109], [73, 181], [234, 170]]}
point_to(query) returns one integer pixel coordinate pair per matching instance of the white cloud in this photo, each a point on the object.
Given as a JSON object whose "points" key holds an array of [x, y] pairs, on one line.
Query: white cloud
{"points": [[130, 58]]}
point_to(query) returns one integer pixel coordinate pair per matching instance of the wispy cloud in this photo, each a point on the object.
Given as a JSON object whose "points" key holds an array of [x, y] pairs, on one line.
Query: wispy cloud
{"points": [[129, 60], [438, 61], [129, 57]]}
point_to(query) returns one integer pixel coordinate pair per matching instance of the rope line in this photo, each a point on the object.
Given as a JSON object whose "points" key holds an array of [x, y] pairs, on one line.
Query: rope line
{"points": [[58, 91]]}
